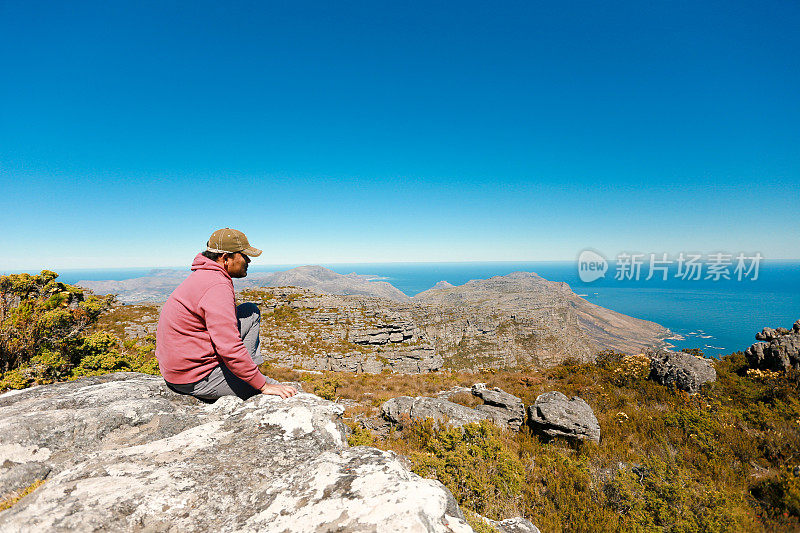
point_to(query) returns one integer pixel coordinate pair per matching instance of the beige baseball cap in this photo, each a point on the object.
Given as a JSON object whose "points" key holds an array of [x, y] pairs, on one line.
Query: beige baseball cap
{"points": [[227, 240]]}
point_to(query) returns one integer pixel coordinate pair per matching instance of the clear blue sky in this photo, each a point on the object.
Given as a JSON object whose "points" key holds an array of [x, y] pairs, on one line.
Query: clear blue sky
{"points": [[397, 131]]}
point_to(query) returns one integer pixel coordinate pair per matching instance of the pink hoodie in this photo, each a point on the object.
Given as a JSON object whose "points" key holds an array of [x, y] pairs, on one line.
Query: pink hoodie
{"points": [[197, 329]]}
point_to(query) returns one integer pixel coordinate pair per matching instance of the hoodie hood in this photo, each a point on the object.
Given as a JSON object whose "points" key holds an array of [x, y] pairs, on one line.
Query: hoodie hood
{"points": [[202, 262]]}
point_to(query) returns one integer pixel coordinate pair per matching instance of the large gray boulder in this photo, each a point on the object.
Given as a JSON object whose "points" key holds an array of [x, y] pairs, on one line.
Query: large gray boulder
{"points": [[781, 351], [555, 415], [442, 411], [687, 372], [122, 453], [504, 408]]}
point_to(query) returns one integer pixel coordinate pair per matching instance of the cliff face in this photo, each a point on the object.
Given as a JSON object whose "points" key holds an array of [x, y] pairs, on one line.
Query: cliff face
{"points": [[122, 453]]}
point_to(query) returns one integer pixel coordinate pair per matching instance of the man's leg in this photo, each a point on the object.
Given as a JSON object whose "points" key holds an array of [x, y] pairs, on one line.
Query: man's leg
{"points": [[249, 321], [222, 382], [248, 317]]}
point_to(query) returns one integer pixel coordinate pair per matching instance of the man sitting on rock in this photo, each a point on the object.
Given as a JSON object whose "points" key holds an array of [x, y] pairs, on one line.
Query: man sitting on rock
{"points": [[206, 345]]}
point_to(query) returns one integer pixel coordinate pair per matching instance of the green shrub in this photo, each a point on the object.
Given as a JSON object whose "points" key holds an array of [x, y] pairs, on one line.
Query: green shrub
{"points": [[780, 495], [327, 389], [43, 325], [14, 379], [359, 436], [99, 354], [47, 367], [38, 313], [474, 462]]}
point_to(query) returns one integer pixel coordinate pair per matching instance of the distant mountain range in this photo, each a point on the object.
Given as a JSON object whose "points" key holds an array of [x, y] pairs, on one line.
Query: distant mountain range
{"points": [[159, 285]]}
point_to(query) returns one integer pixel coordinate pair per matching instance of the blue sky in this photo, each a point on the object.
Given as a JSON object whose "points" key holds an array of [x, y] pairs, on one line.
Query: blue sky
{"points": [[403, 131]]}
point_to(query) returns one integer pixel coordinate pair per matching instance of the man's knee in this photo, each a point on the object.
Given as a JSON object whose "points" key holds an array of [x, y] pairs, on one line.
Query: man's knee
{"points": [[248, 309]]}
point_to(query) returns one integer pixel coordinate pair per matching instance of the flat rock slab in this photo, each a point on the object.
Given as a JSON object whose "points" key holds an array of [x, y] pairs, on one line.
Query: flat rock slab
{"points": [[555, 415], [123, 453], [683, 370]]}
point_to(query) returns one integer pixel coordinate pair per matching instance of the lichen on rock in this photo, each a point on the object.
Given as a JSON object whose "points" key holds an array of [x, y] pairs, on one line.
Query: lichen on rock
{"points": [[121, 452]]}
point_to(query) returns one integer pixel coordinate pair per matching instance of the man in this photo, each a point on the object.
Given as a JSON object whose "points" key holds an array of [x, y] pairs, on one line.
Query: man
{"points": [[207, 346]]}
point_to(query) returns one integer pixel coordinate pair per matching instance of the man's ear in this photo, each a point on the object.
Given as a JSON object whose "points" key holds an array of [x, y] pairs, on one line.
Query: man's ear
{"points": [[224, 258]]}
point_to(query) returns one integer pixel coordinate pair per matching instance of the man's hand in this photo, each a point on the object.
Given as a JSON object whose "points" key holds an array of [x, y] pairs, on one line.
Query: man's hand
{"points": [[284, 391]]}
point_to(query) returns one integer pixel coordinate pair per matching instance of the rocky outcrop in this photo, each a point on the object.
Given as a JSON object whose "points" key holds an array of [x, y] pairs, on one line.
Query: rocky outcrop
{"points": [[781, 351], [504, 408], [301, 328], [555, 415], [122, 453], [687, 372]]}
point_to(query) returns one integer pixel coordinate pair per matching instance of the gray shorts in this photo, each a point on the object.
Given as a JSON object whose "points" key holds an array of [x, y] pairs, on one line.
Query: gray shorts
{"points": [[221, 381]]}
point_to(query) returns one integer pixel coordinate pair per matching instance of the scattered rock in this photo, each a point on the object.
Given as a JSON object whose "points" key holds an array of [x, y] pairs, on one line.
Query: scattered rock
{"points": [[122, 453], [685, 371], [512, 525], [555, 415], [422, 407], [453, 391], [780, 352], [504, 408]]}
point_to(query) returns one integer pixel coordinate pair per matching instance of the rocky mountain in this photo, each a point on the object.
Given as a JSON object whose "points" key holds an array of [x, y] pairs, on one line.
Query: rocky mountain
{"points": [[120, 452], [158, 286], [153, 288], [323, 280], [521, 318], [506, 321]]}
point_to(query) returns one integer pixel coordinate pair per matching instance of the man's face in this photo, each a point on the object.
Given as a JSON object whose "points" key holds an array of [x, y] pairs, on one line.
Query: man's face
{"points": [[236, 265]]}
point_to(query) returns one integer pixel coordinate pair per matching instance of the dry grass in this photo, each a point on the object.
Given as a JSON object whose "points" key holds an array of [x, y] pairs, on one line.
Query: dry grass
{"points": [[117, 318]]}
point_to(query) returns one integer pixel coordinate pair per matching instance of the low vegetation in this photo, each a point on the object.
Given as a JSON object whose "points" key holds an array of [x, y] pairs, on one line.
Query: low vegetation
{"points": [[725, 459]]}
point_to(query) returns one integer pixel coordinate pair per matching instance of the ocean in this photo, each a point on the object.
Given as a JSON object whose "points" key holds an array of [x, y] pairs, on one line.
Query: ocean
{"points": [[718, 317]]}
